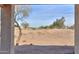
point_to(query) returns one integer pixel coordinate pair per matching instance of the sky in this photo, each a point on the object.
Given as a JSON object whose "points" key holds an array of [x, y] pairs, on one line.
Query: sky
{"points": [[43, 15]]}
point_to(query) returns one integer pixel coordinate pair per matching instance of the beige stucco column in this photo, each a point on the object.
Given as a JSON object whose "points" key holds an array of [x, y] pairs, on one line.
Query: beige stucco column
{"points": [[7, 29]]}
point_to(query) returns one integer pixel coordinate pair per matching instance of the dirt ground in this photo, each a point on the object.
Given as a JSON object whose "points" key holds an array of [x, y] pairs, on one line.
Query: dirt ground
{"points": [[58, 37]]}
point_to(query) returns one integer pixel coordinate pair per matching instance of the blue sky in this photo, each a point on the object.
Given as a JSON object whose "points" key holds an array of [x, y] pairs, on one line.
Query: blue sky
{"points": [[47, 14]]}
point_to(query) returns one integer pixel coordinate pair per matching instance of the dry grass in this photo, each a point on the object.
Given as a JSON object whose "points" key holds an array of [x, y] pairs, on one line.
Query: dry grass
{"points": [[59, 37]]}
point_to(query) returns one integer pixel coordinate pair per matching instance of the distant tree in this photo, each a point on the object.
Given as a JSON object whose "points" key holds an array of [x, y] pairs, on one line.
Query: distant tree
{"points": [[40, 27], [43, 27], [59, 23], [25, 25], [33, 28], [71, 27]]}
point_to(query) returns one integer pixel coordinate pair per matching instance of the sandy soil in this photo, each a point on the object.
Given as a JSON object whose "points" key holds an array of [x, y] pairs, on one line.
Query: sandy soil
{"points": [[59, 37]]}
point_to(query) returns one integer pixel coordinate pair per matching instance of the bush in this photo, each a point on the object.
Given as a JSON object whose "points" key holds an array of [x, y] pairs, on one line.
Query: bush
{"points": [[25, 25], [59, 23]]}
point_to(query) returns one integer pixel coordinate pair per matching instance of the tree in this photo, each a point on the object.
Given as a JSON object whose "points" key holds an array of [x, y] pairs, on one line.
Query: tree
{"points": [[71, 27], [21, 11], [59, 23], [43, 27], [24, 25]]}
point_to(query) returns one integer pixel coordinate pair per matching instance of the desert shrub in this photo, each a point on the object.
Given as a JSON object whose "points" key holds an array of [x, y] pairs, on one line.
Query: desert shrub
{"points": [[25, 25], [59, 23], [71, 27], [43, 27]]}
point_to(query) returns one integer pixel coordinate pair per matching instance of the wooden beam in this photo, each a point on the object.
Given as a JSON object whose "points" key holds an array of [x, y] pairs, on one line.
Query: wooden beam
{"points": [[7, 28], [76, 29]]}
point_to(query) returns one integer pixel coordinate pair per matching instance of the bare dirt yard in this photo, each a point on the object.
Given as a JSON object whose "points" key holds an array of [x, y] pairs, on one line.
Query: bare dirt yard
{"points": [[45, 41], [59, 37]]}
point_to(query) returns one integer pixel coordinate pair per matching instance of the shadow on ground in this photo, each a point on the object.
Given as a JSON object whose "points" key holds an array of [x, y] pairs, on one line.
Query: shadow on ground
{"points": [[34, 49]]}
